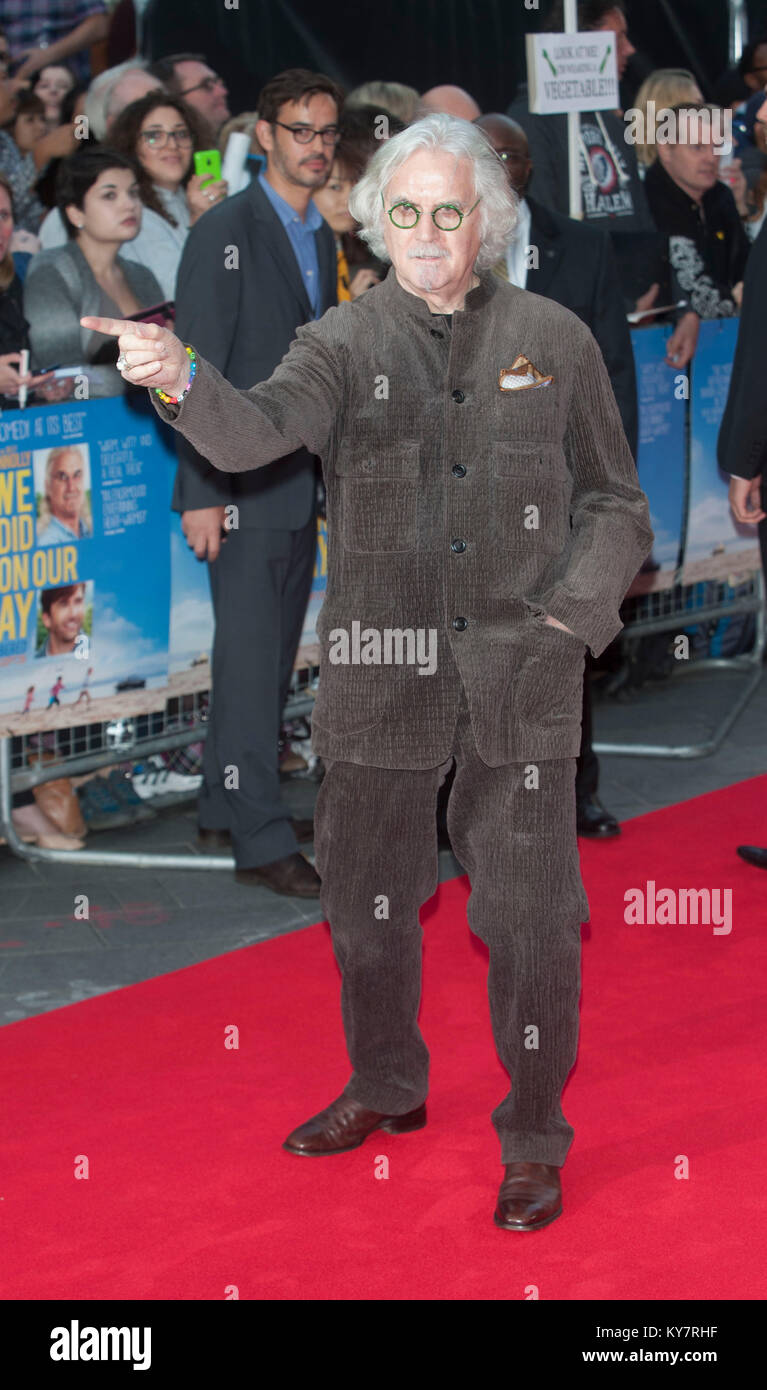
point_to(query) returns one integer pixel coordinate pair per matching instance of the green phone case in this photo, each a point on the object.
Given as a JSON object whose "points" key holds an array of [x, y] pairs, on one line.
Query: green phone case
{"points": [[207, 163]]}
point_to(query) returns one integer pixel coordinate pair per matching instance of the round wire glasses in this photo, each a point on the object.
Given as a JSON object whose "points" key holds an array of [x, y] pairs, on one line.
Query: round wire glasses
{"points": [[446, 216]]}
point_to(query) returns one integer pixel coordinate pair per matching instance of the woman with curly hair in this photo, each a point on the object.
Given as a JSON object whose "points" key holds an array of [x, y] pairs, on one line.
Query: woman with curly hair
{"points": [[160, 133]]}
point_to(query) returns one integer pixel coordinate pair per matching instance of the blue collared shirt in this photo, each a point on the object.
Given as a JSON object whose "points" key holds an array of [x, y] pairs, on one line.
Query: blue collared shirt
{"points": [[301, 239], [56, 533]]}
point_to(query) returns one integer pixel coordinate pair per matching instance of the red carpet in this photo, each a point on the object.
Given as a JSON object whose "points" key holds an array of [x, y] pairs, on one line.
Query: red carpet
{"points": [[190, 1193]]}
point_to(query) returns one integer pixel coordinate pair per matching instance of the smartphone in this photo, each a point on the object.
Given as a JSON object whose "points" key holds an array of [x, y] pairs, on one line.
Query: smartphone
{"points": [[156, 313], [207, 163]]}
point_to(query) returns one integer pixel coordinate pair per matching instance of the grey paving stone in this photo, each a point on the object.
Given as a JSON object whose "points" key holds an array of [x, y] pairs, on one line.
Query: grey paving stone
{"points": [[48, 936], [48, 899], [227, 942], [149, 888], [36, 984], [146, 925]]}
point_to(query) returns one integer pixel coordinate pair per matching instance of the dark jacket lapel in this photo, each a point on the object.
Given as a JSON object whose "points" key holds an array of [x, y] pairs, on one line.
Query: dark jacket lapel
{"points": [[328, 266], [544, 234]]}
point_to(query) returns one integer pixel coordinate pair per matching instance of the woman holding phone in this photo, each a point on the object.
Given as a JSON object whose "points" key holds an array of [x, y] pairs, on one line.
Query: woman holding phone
{"points": [[14, 329], [160, 133], [98, 197]]}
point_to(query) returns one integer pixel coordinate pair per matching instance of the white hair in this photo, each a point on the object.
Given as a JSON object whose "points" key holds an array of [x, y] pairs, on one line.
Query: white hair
{"points": [[498, 207], [100, 91]]}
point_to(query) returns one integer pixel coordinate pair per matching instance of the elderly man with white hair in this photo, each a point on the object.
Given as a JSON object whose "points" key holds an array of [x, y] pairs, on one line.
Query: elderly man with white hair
{"points": [[484, 523], [113, 90]]}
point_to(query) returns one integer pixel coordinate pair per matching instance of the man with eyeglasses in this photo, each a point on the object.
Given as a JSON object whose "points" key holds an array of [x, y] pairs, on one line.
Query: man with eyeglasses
{"points": [[252, 270], [187, 75], [65, 497], [482, 498]]}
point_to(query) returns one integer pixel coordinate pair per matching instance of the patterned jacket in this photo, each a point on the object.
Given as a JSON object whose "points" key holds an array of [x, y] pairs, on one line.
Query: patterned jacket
{"points": [[464, 499]]}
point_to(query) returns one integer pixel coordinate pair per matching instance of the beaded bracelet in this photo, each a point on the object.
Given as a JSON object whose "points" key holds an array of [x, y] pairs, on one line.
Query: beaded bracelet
{"points": [[176, 400]]}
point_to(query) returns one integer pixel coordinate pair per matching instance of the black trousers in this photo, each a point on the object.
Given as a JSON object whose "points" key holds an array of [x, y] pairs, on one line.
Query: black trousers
{"points": [[260, 586], [587, 767], [376, 852]]}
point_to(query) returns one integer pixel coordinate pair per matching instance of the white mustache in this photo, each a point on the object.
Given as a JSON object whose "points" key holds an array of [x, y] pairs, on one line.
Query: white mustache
{"points": [[421, 251]]}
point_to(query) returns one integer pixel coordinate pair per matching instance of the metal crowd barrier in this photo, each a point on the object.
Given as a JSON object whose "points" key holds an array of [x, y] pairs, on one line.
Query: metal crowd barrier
{"points": [[683, 606], [28, 760]]}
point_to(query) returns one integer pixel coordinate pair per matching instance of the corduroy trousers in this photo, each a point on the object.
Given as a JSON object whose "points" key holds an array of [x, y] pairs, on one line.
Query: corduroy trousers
{"points": [[513, 829]]}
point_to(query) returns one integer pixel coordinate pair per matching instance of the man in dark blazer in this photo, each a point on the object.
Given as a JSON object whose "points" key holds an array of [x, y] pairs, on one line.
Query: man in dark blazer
{"points": [[254, 268], [574, 264], [742, 448]]}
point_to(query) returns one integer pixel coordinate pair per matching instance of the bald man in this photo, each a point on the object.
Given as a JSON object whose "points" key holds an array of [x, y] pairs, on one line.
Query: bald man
{"points": [[453, 101], [574, 264]]}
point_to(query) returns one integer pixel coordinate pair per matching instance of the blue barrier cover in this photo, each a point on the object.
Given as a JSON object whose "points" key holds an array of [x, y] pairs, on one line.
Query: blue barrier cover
{"points": [[717, 547], [661, 462]]}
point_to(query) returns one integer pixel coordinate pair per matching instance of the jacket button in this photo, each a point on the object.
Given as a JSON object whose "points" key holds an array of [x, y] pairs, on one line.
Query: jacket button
{"points": [[435, 333], [460, 624], [458, 397], [458, 470], [458, 547]]}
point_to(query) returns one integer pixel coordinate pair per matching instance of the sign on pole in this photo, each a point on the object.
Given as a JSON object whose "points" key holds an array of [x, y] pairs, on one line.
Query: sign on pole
{"points": [[572, 72]]}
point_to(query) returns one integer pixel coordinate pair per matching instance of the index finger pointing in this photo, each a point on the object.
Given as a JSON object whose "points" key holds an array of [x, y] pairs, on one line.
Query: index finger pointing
{"points": [[117, 328], [113, 327]]}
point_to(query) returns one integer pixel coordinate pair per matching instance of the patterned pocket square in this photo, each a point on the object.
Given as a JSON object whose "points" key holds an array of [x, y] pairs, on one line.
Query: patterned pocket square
{"points": [[522, 376]]}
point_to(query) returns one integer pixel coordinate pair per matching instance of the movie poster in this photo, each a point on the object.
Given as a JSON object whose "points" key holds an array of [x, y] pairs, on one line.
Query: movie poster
{"points": [[717, 546], [661, 462], [84, 562], [191, 631]]}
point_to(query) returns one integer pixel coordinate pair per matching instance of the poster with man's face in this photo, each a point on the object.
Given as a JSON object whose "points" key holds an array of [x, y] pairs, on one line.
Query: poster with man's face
{"points": [[65, 621], [63, 494]]}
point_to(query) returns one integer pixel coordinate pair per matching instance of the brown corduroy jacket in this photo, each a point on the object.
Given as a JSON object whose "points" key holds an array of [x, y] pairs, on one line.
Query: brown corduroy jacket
{"points": [[456, 509]]}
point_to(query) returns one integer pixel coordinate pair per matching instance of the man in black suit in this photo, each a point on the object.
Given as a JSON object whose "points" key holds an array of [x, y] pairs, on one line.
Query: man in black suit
{"points": [[742, 448], [254, 268], [574, 264]]}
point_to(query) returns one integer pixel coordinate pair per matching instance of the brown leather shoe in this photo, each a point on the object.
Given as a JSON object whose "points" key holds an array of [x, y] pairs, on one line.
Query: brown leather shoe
{"points": [[345, 1125], [294, 876], [530, 1196]]}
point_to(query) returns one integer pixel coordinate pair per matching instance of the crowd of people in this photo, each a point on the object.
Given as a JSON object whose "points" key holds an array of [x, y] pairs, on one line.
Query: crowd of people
{"points": [[105, 211], [81, 235]]}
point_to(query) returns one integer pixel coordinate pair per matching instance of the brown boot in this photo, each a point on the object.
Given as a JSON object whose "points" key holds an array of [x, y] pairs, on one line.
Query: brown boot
{"points": [[58, 801], [294, 876], [345, 1125], [530, 1196]]}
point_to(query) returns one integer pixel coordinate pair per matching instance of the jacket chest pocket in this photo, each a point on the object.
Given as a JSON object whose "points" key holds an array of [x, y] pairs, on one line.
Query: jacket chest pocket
{"points": [[379, 487], [532, 487]]}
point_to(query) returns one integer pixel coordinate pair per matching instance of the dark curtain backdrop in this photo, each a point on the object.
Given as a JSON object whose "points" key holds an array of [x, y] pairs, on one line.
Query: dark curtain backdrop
{"points": [[478, 44]]}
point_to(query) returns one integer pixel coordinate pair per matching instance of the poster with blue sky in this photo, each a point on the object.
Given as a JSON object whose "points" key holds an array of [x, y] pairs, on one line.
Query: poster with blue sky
{"points": [[717, 547], [191, 628], [84, 561], [661, 462]]}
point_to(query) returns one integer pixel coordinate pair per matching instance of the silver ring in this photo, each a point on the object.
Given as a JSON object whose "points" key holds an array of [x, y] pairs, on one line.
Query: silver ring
{"points": [[211, 197], [122, 362]]}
